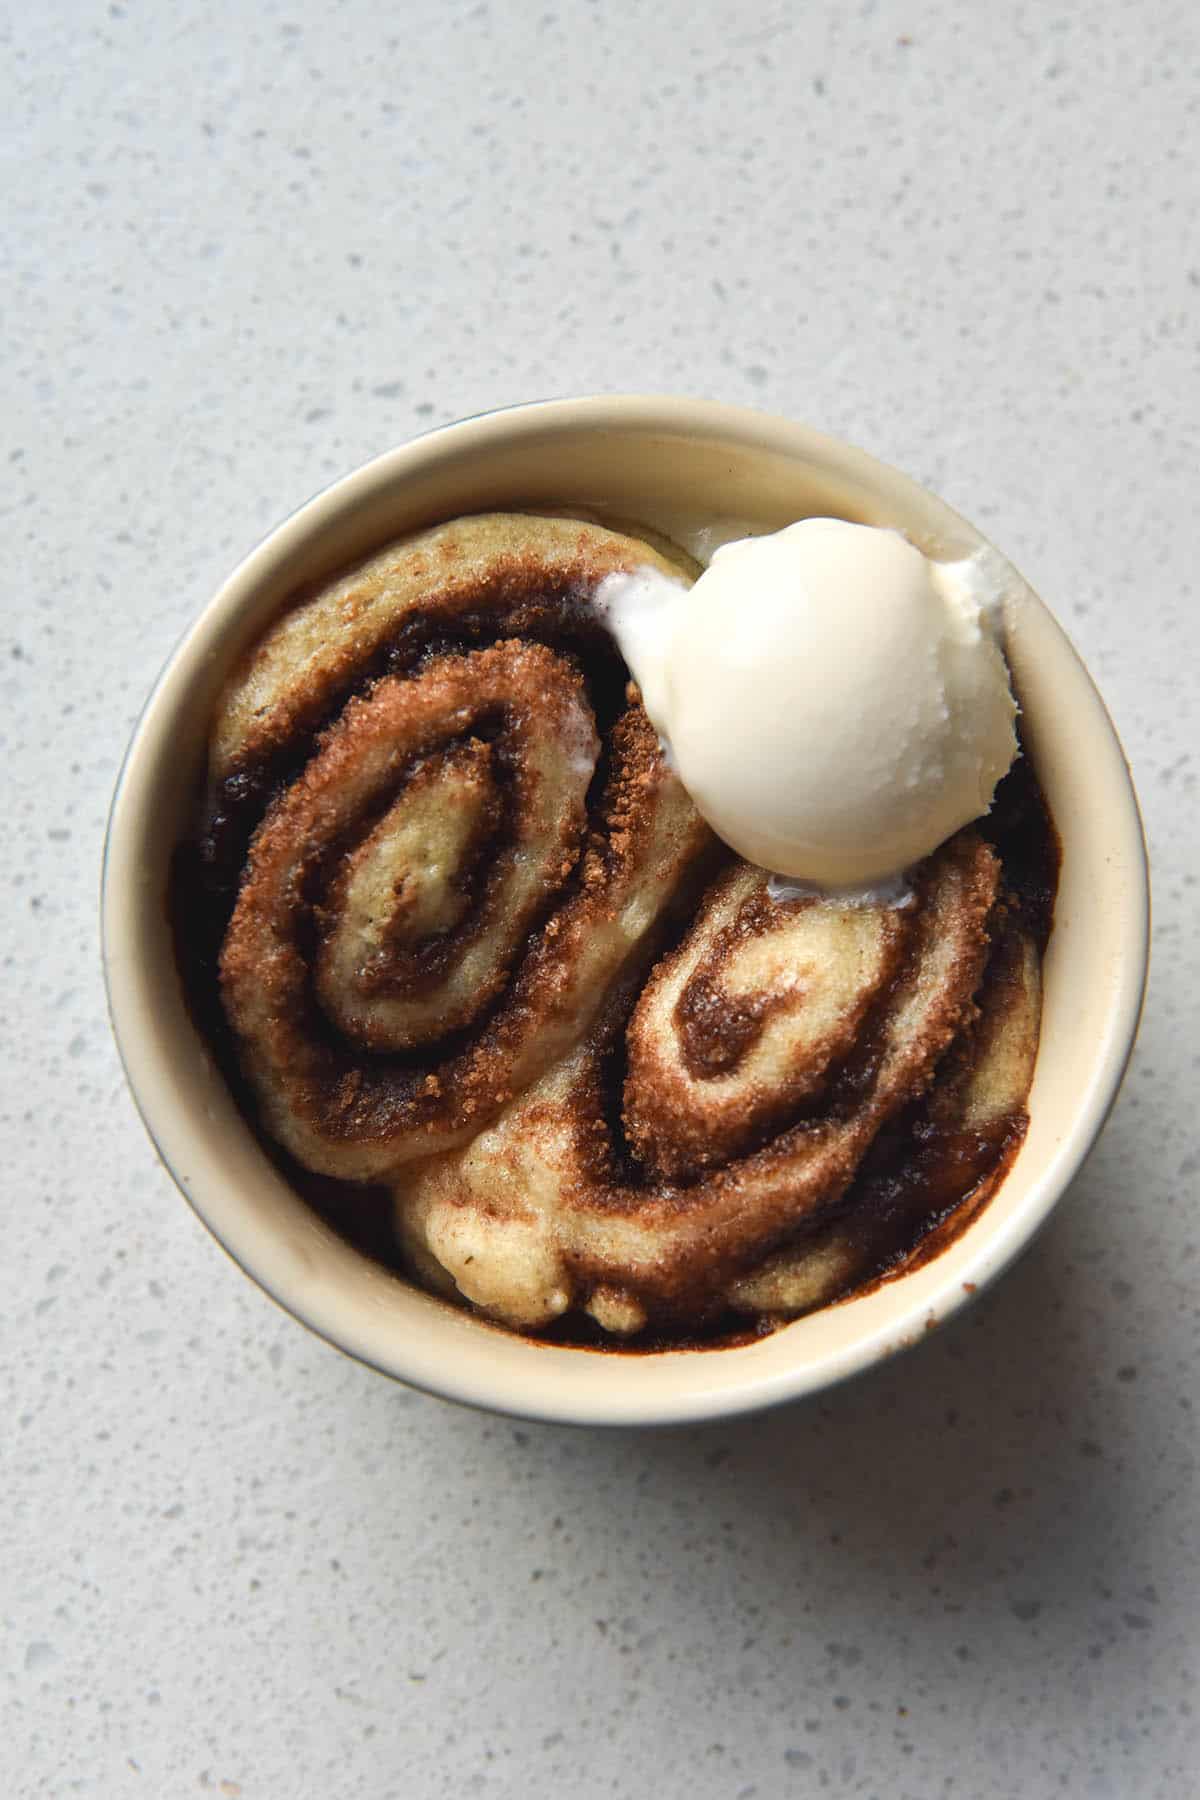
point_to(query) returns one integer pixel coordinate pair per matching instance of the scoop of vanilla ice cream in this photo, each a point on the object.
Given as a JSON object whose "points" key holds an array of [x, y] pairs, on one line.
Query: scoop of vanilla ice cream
{"points": [[836, 704]]}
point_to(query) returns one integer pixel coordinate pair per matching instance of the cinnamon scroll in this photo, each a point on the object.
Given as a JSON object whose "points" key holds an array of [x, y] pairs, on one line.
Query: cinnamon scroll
{"points": [[476, 944]]}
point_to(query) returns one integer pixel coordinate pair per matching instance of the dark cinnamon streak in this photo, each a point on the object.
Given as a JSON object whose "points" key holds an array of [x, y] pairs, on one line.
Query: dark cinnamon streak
{"points": [[716, 1029]]}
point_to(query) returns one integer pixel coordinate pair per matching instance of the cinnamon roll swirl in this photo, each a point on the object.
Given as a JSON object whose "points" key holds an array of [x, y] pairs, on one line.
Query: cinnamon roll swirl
{"points": [[474, 945]]}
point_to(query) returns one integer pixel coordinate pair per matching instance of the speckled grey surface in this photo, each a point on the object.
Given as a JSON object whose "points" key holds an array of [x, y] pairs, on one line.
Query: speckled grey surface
{"points": [[250, 251]]}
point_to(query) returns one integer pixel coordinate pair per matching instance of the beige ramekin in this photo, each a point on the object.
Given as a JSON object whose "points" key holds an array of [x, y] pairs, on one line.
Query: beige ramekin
{"points": [[661, 461]]}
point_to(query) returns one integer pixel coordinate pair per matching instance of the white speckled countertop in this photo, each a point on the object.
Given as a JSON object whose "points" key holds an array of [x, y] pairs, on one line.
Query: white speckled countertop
{"points": [[247, 249]]}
